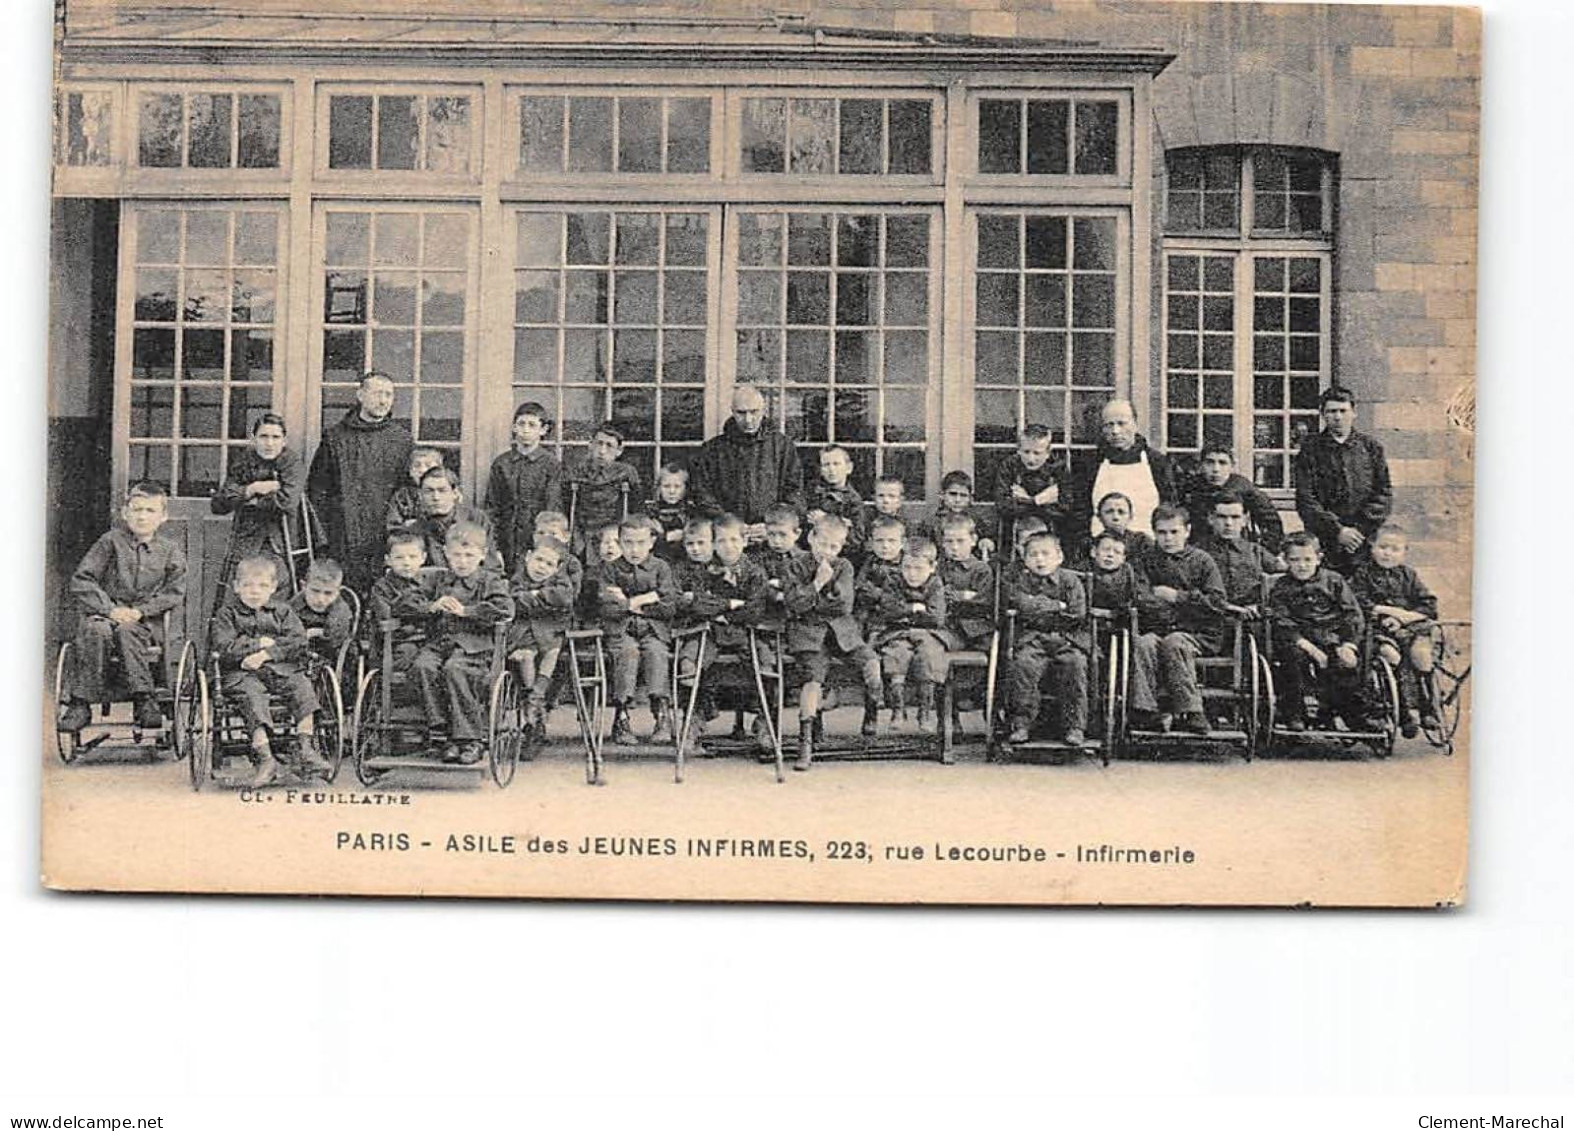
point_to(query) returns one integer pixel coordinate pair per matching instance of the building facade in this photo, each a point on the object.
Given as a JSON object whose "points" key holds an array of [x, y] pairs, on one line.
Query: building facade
{"points": [[916, 228]]}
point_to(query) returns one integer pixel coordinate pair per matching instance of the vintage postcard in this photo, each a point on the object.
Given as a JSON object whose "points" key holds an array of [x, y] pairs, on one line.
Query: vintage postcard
{"points": [[944, 452]]}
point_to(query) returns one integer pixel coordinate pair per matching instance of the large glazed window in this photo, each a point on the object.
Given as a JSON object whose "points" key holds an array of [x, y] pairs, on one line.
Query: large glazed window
{"points": [[397, 298], [1045, 318], [835, 321], [1065, 136], [603, 133], [204, 314], [413, 131], [611, 318], [208, 129], [819, 137]]}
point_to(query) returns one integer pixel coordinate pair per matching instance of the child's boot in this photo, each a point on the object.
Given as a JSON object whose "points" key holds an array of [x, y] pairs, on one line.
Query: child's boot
{"points": [[871, 722], [312, 761], [926, 707], [896, 699], [267, 769], [148, 714], [662, 731], [622, 733], [805, 745]]}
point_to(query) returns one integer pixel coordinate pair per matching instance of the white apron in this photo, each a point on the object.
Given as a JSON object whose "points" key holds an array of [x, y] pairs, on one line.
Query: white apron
{"points": [[1135, 481]]}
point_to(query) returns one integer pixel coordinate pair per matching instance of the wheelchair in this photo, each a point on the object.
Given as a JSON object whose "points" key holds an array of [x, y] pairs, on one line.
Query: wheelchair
{"points": [[219, 731], [962, 667], [175, 669], [1443, 688], [390, 729], [765, 695], [1379, 688], [1101, 739]]}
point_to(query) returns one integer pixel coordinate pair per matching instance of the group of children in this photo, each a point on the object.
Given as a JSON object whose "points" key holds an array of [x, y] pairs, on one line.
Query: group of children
{"points": [[889, 599]]}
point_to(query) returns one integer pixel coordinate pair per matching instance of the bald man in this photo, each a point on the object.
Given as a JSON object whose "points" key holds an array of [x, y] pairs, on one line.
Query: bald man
{"points": [[1123, 462], [749, 467]]}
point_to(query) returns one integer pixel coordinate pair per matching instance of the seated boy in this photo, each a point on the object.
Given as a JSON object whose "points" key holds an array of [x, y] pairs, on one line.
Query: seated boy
{"points": [[671, 511], [832, 494], [635, 606], [324, 612], [1404, 608], [956, 499], [1029, 486], [690, 575], [1113, 579], [442, 507], [1216, 479], [882, 565], [1242, 564], [909, 629], [1180, 617], [404, 507], [1051, 637], [544, 596], [400, 598], [124, 584], [261, 645], [554, 525], [1114, 513], [969, 583], [450, 671], [729, 591], [1317, 622], [600, 486], [821, 624], [780, 559], [524, 481], [606, 547]]}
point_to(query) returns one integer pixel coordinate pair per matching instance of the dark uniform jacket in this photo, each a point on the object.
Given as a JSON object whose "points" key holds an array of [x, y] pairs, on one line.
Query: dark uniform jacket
{"points": [[651, 576], [1400, 587], [258, 523], [547, 605], [597, 492], [404, 507], [709, 588], [336, 622], [1242, 567], [846, 503], [782, 572], [120, 572], [519, 488], [1200, 610], [484, 595], [897, 615], [357, 468], [874, 585], [402, 599], [1342, 485], [1322, 609], [1058, 515], [236, 631], [972, 618], [670, 517], [1052, 606], [1115, 590], [932, 527], [1265, 522], [434, 529], [744, 475], [813, 611]]}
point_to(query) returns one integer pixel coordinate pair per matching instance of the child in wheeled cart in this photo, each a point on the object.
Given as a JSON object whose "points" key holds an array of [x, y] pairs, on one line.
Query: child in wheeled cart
{"points": [[1404, 613], [907, 626], [1317, 633], [1051, 639]]}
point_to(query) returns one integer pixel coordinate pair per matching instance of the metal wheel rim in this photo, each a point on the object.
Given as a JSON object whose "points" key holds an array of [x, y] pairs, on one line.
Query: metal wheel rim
{"points": [[1270, 702], [201, 764], [367, 710], [330, 696], [65, 740], [502, 748]]}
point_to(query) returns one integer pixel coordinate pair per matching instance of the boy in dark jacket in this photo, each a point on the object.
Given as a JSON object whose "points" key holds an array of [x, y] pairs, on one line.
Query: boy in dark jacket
{"points": [[450, 671], [969, 583], [1217, 479], [124, 585], [600, 487], [544, 597], [1242, 564], [671, 511], [262, 648], [399, 600], [882, 566], [524, 481], [1180, 617], [956, 499], [1031, 485], [405, 506], [1317, 629], [1113, 580], [635, 606], [832, 494], [324, 612], [908, 628], [1404, 608], [1051, 637]]}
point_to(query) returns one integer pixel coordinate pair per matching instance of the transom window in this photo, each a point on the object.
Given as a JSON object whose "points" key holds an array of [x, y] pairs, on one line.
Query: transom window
{"points": [[208, 129], [84, 127], [397, 299], [611, 317], [1049, 136], [1247, 270], [427, 131], [605, 134], [1045, 322], [837, 136], [204, 315], [835, 324]]}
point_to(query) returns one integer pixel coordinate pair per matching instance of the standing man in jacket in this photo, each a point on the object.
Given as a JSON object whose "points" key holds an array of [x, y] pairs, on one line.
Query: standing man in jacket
{"points": [[1342, 490], [361, 461], [749, 467]]}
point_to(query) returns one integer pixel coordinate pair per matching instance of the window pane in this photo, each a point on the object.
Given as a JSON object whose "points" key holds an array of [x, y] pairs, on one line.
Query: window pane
{"points": [[687, 244], [759, 355], [635, 300], [995, 359], [350, 132], [1046, 243], [86, 128], [854, 416], [253, 297], [149, 461], [393, 352], [153, 355], [156, 294], [682, 414], [256, 237], [343, 355], [998, 300], [200, 417], [907, 241], [1000, 242], [540, 242], [857, 241], [209, 123], [862, 135], [1093, 359], [397, 127], [397, 239], [760, 239], [813, 134], [541, 134], [1048, 136], [759, 297], [207, 296], [1094, 243], [589, 237], [590, 135], [683, 357], [684, 298], [1183, 212], [906, 299], [907, 358], [152, 411], [999, 136], [910, 139], [447, 134], [1044, 359], [688, 135], [855, 358], [535, 356], [857, 299], [808, 298], [639, 135], [586, 297], [808, 357], [159, 130], [1046, 300], [445, 239], [764, 141], [158, 237], [638, 237], [443, 299], [1093, 301], [439, 415], [809, 240], [1097, 132], [251, 357], [200, 470], [634, 357], [393, 298]]}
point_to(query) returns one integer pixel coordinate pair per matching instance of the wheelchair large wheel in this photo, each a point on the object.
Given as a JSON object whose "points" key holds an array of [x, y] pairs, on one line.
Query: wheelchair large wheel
{"points": [[1444, 693], [1112, 701], [1250, 690], [183, 708], [67, 742], [504, 730], [370, 728], [1267, 703], [1385, 690], [201, 735], [330, 720]]}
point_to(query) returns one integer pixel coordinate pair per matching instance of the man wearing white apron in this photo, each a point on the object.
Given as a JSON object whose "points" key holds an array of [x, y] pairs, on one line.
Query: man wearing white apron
{"points": [[1125, 463]]}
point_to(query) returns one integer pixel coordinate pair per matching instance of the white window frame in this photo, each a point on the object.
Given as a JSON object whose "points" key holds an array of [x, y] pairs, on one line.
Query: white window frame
{"points": [[835, 181], [1122, 176], [522, 180], [327, 91], [133, 118]]}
